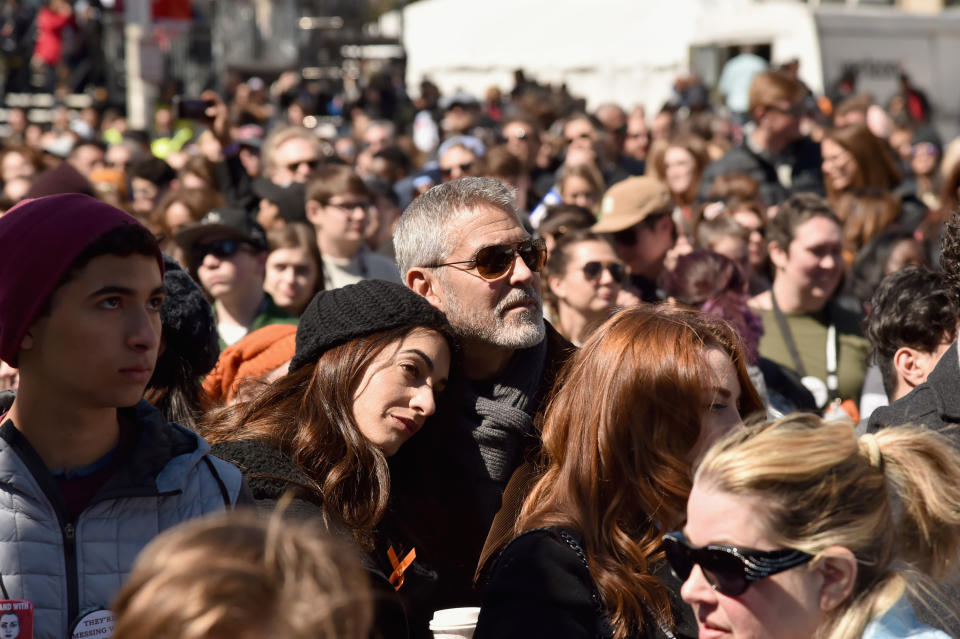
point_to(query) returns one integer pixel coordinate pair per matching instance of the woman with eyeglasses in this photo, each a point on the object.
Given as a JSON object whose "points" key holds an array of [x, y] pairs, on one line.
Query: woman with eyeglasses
{"points": [[633, 409], [584, 277], [798, 528]]}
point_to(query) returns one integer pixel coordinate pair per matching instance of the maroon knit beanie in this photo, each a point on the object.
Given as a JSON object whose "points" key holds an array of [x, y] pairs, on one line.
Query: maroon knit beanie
{"points": [[39, 239]]}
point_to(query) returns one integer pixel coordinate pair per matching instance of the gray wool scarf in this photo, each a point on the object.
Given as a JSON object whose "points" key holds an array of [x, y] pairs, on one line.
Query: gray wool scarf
{"points": [[502, 416]]}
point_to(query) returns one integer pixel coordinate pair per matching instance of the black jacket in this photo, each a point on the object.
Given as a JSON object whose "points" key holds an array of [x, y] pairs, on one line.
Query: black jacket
{"points": [[934, 404], [437, 503], [541, 588], [803, 156], [270, 474]]}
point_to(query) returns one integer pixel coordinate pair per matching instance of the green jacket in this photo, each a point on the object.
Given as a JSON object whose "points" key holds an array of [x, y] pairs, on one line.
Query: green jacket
{"points": [[269, 313]]}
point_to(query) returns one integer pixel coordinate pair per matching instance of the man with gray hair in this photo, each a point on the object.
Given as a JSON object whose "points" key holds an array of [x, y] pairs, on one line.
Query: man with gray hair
{"points": [[462, 246]]}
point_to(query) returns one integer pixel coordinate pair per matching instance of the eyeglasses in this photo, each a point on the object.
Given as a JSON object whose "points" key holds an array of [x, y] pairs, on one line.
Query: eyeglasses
{"points": [[594, 270], [293, 167], [728, 570], [795, 110], [221, 249], [494, 261], [466, 166], [349, 207]]}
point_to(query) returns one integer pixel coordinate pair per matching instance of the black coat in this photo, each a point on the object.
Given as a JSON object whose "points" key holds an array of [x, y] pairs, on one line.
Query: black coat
{"points": [[803, 156], [541, 588], [438, 504], [934, 404], [270, 474]]}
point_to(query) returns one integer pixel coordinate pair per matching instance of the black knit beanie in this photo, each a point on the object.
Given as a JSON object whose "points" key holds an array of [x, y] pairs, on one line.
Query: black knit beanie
{"points": [[189, 329], [339, 315]]}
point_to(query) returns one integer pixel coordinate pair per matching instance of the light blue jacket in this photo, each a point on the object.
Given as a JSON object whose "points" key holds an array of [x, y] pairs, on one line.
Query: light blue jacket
{"points": [[68, 567], [900, 622]]}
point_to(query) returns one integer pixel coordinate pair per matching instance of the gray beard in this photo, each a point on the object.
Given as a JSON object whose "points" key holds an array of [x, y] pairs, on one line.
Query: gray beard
{"points": [[522, 330]]}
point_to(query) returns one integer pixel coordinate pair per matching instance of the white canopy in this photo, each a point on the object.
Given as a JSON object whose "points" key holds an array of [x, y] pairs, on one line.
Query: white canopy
{"points": [[624, 51]]}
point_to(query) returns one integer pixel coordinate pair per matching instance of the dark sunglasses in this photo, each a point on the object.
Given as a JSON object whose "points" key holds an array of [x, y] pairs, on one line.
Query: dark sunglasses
{"points": [[593, 270], [493, 261], [221, 249], [728, 570], [466, 166], [311, 164]]}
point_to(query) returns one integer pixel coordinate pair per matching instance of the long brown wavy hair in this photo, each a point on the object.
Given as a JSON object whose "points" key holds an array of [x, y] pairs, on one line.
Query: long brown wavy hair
{"points": [[618, 437], [308, 415]]}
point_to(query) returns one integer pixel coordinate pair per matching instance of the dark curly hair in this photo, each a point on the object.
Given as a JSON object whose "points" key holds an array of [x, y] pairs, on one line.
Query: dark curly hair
{"points": [[950, 253], [796, 210], [913, 307]]}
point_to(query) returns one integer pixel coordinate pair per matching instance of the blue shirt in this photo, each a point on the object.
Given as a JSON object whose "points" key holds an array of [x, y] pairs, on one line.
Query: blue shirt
{"points": [[900, 622]]}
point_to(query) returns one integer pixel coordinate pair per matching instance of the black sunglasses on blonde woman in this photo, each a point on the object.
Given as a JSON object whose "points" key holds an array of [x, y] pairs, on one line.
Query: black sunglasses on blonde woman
{"points": [[729, 570]]}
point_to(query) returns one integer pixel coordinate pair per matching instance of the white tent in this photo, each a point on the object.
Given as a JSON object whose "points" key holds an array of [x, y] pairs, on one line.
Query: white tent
{"points": [[629, 52]]}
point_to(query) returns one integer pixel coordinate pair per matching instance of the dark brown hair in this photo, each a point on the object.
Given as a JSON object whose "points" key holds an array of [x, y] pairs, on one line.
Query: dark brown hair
{"points": [[331, 180], [697, 148], [202, 168], [308, 415], [617, 467], [864, 214], [796, 210], [297, 235], [876, 164], [500, 163], [198, 201]]}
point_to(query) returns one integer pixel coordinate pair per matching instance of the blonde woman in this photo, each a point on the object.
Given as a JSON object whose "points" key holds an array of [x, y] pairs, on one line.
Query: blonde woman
{"points": [[799, 529]]}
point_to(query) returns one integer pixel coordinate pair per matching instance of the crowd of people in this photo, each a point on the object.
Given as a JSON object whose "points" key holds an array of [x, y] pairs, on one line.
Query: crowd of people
{"points": [[596, 372]]}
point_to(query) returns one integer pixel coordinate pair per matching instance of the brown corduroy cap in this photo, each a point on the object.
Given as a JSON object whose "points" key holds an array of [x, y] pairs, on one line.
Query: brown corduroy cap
{"points": [[630, 202]]}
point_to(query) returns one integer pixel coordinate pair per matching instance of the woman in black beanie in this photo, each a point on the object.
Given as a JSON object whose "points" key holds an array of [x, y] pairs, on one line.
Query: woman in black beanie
{"points": [[370, 360]]}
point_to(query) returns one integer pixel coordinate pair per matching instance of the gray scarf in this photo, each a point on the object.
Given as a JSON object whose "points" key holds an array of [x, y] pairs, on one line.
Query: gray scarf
{"points": [[502, 415]]}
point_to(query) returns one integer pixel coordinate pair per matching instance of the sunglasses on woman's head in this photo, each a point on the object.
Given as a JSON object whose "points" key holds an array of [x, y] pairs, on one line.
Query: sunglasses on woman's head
{"points": [[728, 569], [293, 167], [594, 270], [495, 260]]}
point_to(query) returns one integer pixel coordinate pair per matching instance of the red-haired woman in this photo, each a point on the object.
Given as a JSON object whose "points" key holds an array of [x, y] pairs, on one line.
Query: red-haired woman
{"points": [[635, 407]]}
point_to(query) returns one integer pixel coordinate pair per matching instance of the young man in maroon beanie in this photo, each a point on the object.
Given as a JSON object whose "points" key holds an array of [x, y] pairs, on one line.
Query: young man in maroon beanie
{"points": [[89, 473]]}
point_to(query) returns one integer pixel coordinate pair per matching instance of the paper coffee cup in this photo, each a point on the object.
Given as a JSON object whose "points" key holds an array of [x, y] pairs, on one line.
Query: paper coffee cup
{"points": [[454, 623]]}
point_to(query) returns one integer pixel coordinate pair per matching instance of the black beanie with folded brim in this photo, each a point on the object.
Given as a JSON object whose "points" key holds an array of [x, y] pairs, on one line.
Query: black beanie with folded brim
{"points": [[340, 315]]}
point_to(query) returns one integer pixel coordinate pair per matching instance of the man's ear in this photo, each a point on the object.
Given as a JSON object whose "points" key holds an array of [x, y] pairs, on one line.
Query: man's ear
{"points": [[314, 210], [777, 255], [837, 567], [909, 363], [27, 342], [424, 283]]}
